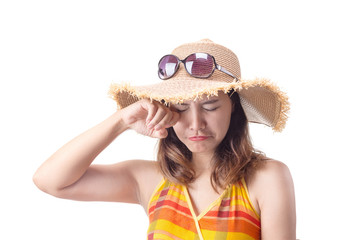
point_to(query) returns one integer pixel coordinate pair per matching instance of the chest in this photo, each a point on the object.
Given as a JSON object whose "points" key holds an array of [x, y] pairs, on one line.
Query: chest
{"points": [[203, 198], [202, 213]]}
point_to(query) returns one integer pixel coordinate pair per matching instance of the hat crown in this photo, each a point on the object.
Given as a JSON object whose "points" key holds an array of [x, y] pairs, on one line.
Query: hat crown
{"points": [[262, 101], [205, 40], [223, 57]]}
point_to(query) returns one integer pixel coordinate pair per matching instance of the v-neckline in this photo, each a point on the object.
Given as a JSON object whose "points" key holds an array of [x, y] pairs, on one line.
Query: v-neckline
{"points": [[206, 210]]}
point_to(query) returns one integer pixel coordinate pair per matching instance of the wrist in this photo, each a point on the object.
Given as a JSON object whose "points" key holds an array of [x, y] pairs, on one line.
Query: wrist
{"points": [[120, 125]]}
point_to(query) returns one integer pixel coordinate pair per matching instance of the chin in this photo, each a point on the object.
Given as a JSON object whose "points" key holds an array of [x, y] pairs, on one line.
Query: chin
{"points": [[200, 149]]}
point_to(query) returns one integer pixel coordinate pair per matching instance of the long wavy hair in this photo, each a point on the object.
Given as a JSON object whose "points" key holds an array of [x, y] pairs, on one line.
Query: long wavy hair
{"points": [[234, 158]]}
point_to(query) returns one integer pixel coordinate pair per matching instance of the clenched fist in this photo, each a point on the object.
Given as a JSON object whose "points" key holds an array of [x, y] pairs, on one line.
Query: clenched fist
{"points": [[149, 118]]}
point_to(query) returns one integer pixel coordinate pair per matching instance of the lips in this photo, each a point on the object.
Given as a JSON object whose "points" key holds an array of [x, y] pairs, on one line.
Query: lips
{"points": [[198, 138]]}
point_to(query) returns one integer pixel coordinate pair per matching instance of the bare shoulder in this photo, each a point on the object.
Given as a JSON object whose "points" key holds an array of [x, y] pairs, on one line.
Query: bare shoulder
{"points": [[147, 176], [271, 188], [271, 175], [272, 170], [269, 169]]}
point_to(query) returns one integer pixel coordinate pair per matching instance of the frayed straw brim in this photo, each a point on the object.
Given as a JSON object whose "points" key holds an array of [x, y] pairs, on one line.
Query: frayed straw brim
{"points": [[262, 101]]}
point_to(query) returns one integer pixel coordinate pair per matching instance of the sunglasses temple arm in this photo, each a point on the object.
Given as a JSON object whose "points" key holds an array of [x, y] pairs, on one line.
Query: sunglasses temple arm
{"points": [[222, 69]]}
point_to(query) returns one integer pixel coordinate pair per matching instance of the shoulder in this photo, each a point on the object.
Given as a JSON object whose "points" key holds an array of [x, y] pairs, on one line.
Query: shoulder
{"points": [[271, 187], [269, 182], [272, 170], [269, 169], [270, 177], [147, 175]]}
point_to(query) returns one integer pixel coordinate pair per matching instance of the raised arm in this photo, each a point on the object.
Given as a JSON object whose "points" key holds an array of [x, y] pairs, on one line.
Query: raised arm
{"points": [[68, 173]]}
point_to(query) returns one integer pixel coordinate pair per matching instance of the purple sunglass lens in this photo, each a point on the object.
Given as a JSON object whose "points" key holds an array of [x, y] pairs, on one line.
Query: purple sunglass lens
{"points": [[199, 65], [168, 66]]}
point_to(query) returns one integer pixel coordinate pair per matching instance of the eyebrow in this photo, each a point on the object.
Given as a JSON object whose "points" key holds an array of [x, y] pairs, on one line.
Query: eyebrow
{"points": [[203, 103]]}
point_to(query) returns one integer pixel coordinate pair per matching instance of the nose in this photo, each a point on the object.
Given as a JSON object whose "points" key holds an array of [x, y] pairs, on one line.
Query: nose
{"points": [[197, 121]]}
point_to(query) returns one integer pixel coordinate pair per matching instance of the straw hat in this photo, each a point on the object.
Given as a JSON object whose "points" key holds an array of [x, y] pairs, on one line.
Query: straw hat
{"points": [[262, 101]]}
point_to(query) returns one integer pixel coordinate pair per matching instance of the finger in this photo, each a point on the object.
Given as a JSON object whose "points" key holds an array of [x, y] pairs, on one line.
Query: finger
{"points": [[161, 133], [175, 118], [164, 122], [159, 115], [171, 120], [151, 109]]}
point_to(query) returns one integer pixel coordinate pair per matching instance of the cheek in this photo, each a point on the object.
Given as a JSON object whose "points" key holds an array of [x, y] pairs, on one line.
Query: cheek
{"points": [[223, 124], [177, 129]]}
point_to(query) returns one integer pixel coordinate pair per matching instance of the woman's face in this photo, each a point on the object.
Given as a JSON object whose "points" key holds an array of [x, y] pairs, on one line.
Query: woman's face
{"points": [[203, 123]]}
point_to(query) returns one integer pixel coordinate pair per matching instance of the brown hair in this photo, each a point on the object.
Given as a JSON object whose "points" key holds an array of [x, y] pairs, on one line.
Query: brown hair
{"points": [[234, 158]]}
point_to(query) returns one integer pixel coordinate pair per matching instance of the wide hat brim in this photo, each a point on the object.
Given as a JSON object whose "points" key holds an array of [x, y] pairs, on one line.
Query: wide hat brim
{"points": [[262, 101]]}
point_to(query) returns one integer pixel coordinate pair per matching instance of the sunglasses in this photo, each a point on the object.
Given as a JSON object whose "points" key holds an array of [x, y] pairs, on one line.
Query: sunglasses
{"points": [[198, 65]]}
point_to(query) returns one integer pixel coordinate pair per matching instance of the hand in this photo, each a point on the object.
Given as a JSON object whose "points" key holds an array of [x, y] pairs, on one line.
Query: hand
{"points": [[149, 118]]}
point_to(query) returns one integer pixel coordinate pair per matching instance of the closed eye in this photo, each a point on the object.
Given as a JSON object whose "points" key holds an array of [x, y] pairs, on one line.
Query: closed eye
{"points": [[210, 109], [206, 109]]}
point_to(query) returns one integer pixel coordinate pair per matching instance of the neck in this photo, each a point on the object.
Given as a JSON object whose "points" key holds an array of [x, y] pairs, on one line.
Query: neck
{"points": [[202, 164]]}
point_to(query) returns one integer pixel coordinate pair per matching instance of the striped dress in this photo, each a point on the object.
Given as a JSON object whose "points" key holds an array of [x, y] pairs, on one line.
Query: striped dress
{"points": [[231, 216]]}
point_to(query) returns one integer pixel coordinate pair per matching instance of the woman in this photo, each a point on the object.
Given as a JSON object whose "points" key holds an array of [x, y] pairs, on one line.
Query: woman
{"points": [[208, 181]]}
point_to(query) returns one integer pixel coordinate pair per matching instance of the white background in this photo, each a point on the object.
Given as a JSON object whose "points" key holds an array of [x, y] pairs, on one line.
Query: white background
{"points": [[58, 58]]}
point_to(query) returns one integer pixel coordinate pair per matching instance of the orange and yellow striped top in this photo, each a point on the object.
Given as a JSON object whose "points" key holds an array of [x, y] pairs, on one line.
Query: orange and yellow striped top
{"points": [[231, 216]]}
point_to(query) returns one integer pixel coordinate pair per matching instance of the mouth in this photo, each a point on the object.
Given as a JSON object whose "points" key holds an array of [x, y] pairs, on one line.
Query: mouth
{"points": [[198, 138]]}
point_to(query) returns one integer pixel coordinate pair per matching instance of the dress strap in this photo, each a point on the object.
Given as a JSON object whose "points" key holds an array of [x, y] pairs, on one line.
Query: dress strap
{"points": [[193, 213]]}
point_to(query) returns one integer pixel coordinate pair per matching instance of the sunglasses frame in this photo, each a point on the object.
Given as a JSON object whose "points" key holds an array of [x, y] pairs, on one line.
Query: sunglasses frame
{"points": [[217, 66]]}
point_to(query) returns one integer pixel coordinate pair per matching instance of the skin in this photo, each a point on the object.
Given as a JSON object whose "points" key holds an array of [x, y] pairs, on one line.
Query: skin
{"points": [[209, 117], [69, 172]]}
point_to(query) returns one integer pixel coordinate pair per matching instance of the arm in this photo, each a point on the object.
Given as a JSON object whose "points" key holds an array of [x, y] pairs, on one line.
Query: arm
{"points": [[276, 199], [68, 173]]}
